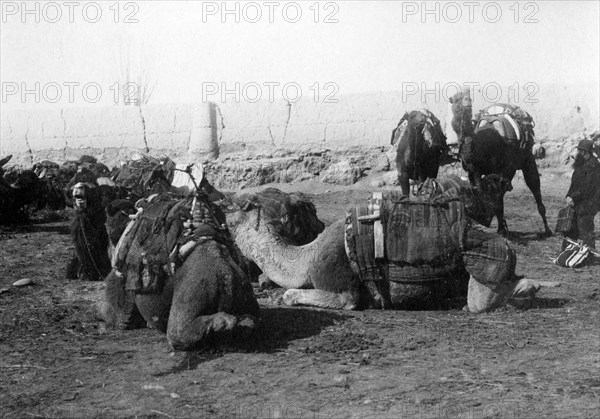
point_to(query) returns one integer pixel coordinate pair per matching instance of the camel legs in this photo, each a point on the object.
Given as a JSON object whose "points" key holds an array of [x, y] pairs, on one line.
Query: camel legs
{"points": [[118, 308], [212, 296], [203, 327], [532, 180], [502, 225], [321, 299], [404, 182], [485, 297], [155, 308]]}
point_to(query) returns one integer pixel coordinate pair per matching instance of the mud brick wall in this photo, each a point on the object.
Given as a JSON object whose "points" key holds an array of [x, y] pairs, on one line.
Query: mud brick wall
{"points": [[207, 131]]}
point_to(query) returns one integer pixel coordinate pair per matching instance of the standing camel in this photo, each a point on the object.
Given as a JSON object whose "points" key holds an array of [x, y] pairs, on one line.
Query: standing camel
{"points": [[421, 146], [484, 151]]}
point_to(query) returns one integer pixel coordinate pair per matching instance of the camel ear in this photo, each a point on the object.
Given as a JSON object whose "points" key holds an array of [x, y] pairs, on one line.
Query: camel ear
{"points": [[5, 160], [404, 118]]}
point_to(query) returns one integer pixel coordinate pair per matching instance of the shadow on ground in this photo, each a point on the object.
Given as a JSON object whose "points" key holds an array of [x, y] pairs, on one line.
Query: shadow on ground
{"points": [[525, 237], [278, 326]]}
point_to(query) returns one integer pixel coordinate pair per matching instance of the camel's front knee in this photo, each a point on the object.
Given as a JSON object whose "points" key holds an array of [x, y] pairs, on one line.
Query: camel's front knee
{"points": [[155, 309], [485, 297], [190, 335], [117, 309]]}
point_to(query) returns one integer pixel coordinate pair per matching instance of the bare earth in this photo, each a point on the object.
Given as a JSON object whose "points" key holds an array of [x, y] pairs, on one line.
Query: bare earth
{"points": [[57, 361]]}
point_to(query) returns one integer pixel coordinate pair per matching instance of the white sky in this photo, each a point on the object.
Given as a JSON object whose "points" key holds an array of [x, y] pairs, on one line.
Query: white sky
{"points": [[370, 48]]}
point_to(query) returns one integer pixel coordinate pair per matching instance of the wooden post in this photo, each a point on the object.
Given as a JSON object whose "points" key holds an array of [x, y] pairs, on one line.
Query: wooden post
{"points": [[378, 227]]}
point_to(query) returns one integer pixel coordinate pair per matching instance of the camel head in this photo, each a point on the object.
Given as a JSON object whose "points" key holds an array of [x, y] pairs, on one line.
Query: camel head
{"points": [[254, 210], [46, 168], [26, 179], [493, 187], [86, 197], [462, 99], [290, 217], [462, 113], [213, 194], [156, 182], [98, 169], [491, 196]]}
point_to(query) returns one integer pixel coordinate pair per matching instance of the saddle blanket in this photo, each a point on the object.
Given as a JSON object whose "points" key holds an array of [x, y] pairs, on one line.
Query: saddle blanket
{"points": [[156, 243]]}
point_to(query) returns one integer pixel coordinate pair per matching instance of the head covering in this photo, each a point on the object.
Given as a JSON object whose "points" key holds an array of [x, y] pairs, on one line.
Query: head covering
{"points": [[586, 145]]}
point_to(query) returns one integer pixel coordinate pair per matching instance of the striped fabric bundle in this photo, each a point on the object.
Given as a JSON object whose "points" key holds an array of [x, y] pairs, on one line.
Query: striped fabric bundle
{"points": [[573, 256]]}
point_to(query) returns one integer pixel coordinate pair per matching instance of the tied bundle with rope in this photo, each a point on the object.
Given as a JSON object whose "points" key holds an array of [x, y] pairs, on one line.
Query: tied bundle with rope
{"points": [[479, 202], [427, 238], [138, 174], [574, 254], [422, 238]]}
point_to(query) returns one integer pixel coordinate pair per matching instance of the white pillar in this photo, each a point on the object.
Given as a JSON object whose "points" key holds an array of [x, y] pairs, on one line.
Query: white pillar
{"points": [[204, 142]]}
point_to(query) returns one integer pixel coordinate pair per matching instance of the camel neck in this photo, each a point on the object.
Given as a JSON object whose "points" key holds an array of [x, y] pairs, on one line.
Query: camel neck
{"points": [[287, 265], [462, 124]]}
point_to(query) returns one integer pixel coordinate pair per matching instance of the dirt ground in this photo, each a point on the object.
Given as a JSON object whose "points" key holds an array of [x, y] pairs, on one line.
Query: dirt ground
{"points": [[57, 361]]}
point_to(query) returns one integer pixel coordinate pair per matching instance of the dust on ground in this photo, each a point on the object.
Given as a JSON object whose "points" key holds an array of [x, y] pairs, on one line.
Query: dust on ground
{"points": [[57, 361]]}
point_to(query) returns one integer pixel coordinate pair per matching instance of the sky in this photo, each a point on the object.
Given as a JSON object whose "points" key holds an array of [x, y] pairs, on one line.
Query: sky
{"points": [[188, 51]]}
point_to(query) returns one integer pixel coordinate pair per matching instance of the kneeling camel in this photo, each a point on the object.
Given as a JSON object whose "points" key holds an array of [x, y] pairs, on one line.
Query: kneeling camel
{"points": [[325, 272]]}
